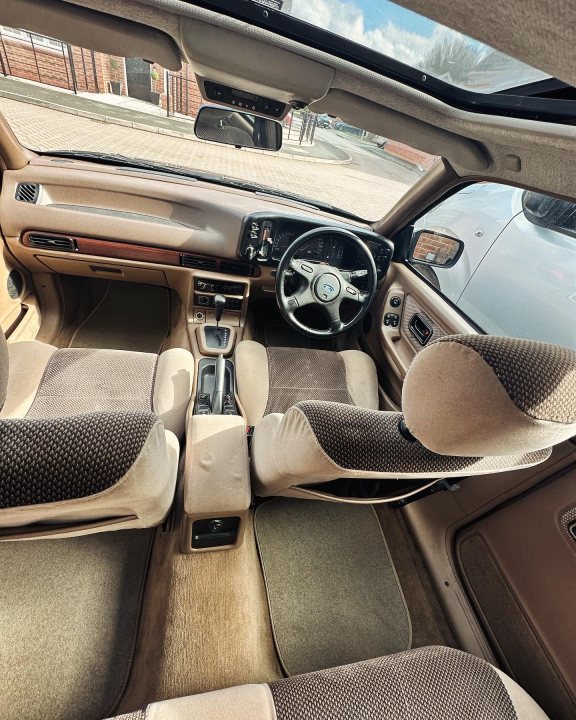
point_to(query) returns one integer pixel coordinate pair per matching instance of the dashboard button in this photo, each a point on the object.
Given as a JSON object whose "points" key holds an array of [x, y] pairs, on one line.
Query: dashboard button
{"points": [[307, 268], [351, 291], [395, 301]]}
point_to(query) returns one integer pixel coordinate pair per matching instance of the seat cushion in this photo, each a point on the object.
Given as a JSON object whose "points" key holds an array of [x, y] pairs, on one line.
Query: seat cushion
{"points": [[432, 683], [45, 382], [89, 438], [102, 467], [317, 442], [271, 380]]}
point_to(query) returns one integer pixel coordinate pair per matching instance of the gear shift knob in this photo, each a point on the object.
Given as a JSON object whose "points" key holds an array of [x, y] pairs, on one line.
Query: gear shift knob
{"points": [[219, 305]]}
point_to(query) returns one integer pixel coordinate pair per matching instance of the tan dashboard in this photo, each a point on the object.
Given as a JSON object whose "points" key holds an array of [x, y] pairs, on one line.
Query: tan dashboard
{"points": [[71, 217]]}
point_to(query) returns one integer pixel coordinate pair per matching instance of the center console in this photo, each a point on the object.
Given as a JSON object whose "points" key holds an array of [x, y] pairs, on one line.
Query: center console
{"points": [[215, 388]]}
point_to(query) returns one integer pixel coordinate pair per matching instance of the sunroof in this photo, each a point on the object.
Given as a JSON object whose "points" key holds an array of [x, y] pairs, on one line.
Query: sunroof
{"points": [[414, 40]]}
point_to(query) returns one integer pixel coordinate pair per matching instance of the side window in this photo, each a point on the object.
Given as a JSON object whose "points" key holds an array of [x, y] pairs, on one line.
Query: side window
{"points": [[506, 257]]}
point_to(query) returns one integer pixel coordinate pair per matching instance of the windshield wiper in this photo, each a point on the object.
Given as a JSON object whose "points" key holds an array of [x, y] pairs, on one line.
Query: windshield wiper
{"points": [[177, 170]]}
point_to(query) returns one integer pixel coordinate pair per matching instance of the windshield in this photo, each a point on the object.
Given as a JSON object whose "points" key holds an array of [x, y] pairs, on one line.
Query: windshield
{"points": [[62, 98], [416, 41]]}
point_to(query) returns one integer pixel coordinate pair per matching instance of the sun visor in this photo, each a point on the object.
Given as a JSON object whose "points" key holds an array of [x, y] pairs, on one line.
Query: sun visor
{"points": [[90, 29], [409, 130], [251, 64]]}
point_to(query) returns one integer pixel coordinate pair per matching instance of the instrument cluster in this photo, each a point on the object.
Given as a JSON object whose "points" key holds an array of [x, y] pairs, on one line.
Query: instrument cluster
{"points": [[265, 239]]}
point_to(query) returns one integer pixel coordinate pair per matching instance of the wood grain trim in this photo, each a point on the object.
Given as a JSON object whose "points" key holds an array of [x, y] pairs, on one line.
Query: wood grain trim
{"points": [[111, 249]]}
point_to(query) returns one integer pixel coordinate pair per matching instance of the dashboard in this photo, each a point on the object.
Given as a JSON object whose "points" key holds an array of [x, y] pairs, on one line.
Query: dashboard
{"points": [[265, 239]]}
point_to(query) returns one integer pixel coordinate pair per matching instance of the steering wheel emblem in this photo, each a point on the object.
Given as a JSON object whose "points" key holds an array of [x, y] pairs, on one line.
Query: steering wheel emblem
{"points": [[327, 287]]}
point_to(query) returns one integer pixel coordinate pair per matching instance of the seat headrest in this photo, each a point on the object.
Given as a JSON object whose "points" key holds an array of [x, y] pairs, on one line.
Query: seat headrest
{"points": [[480, 395]]}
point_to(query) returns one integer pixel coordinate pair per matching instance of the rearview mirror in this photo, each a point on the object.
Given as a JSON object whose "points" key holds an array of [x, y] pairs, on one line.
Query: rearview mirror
{"points": [[231, 127], [432, 248]]}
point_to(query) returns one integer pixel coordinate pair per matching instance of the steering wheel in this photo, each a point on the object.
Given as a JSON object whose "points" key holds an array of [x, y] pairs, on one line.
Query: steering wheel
{"points": [[323, 285]]}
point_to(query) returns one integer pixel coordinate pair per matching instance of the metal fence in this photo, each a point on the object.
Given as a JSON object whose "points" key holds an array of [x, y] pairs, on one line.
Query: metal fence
{"points": [[301, 126], [47, 61], [182, 95]]}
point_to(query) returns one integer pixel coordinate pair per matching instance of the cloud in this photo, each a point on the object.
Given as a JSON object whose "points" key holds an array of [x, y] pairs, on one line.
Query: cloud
{"points": [[348, 20]]}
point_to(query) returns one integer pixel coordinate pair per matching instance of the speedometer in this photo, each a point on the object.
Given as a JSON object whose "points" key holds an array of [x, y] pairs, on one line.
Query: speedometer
{"points": [[283, 238]]}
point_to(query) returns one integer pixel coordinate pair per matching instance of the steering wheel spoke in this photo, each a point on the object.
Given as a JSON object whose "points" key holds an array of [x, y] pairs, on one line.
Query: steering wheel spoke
{"points": [[333, 312], [349, 292], [305, 269], [303, 295]]}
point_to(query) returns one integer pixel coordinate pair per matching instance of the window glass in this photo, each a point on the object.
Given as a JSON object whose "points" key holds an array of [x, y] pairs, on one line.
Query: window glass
{"points": [[516, 274], [414, 40]]}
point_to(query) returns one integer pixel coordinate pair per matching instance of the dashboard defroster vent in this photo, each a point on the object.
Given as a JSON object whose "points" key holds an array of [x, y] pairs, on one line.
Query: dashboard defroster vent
{"points": [[198, 263], [47, 242], [235, 268], [27, 192]]}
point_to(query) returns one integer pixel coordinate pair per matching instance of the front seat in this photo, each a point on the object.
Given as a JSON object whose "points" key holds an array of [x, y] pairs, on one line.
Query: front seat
{"points": [[430, 683], [89, 438], [472, 405], [273, 379]]}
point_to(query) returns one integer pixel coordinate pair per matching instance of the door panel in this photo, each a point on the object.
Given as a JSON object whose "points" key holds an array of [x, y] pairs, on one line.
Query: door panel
{"points": [[10, 307], [519, 565], [394, 346]]}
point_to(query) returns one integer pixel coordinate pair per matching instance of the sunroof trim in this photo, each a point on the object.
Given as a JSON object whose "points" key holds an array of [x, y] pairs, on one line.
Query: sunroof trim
{"points": [[504, 103]]}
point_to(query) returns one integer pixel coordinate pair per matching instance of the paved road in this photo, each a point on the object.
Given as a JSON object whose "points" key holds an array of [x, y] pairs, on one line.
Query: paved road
{"points": [[368, 187], [370, 158]]}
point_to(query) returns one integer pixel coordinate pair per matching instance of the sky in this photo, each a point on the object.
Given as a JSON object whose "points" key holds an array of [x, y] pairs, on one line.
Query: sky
{"points": [[378, 24], [396, 32]]}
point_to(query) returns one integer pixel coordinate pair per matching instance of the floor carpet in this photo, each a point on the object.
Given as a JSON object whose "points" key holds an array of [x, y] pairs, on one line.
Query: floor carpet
{"points": [[128, 317], [204, 626], [68, 621], [332, 588]]}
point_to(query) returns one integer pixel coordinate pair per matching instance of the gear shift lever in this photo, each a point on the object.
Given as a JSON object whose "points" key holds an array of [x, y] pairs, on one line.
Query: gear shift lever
{"points": [[219, 305]]}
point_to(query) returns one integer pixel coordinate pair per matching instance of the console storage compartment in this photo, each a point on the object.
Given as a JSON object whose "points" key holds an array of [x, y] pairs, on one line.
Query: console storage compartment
{"points": [[217, 491]]}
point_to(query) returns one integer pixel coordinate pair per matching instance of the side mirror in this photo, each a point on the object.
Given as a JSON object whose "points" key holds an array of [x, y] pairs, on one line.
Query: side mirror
{"points": [[432, 248], [550, 212], [231, 127]]}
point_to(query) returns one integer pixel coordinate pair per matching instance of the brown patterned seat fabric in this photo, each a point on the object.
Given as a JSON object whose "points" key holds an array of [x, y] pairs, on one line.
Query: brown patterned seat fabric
{"points": [[430, 683], [51, 460], [297, 374], [370, 440]]}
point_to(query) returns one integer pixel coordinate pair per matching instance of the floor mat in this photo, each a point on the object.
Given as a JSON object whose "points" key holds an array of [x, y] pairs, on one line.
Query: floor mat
{"points": [[68, 620], [332, 589], [128, 317]]}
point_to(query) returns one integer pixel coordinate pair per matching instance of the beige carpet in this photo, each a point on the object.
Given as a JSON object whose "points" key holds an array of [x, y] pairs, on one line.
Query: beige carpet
{"points": [[429, 624], [128, 317], [205, 624], [68, 620], [333, 591]]}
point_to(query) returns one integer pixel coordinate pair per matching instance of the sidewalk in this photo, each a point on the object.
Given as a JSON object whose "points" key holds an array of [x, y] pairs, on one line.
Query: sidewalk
{"points": [[128, 112]]}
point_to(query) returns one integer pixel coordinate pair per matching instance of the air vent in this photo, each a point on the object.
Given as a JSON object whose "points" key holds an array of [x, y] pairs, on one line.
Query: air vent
{"points": [[235, 268], [27, 192], [47, 242], [198, 263]]}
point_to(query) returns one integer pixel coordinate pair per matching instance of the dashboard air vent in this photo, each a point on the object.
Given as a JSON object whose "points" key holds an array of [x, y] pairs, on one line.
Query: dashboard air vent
{"points": [[27, 192], [235, 268], [47, 242], [198, 263]]}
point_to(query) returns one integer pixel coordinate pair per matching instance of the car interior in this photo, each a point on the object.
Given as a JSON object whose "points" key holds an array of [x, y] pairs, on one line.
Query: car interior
{"points": [[288, 381]]}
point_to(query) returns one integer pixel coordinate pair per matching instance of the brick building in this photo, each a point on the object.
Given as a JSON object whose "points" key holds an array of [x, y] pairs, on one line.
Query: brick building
{"points": [[51, 62]]}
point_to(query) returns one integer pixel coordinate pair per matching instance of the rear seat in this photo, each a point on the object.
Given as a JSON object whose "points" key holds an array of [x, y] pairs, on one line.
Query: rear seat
{"points": [[431, 683]]}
